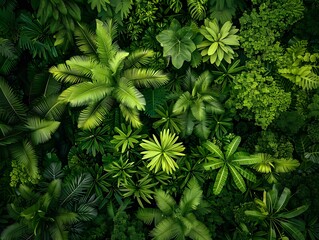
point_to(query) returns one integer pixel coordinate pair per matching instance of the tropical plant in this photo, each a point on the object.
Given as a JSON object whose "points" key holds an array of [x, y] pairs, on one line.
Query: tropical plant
{"points": [[223, 10], [105, 74], [126, 138], [176, 220], [196, 104], [273, 217], [162, 152], [178, 43], [272, 166], [230, 161], [168, 120], [197, 9], [218, 42], [54, 212]]}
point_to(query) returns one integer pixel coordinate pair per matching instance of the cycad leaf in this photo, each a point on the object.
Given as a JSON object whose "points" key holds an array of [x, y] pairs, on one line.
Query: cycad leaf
{"points": [[146, 77], [85, 40], [76, 187], [85, 93], [165, 202], [232, 147], [41, 129], [191, 198], [25, 155], [94, 114], [214, 149], [9, 102], [221, 179], [128, 95], [238, 179], [148, 215]]}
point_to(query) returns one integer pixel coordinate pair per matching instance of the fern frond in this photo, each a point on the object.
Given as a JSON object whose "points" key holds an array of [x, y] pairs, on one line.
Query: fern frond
{"points": [[10, 103], [131, 115], [83, 65], [84, 93], [148, 215], [25, 155], [85, 40], [7, 49], [196, 9], [165, 202], [199, 231], [129, 95], [192, 197], [41, 130], [93, 115], [146, 77], [64, 73], [139, 58], [75, 188], [168, 229], [17, 231], [7, 64], [104, 40], [49, 108]]}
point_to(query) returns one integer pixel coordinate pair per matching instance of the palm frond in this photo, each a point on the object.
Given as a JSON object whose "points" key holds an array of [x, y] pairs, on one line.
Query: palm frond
{"points": [[41, 129], [192, 197], [64, 73], [84, 93], [138, 58], [83, 65], [104, 40], [10, 103], [131, 115], [115, 63], [93, 115], [49, 107], [148, 215], [128, 95], [53, 171], [26, 157], [16, 231], [199, 231], [75, 188], [146, 77], [165, 202], [85, 40], [167, 229]]}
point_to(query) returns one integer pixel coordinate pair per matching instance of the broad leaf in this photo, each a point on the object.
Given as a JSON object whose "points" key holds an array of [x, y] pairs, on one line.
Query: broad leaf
{"points": [[295, 212], [238, 179], [292, 230], [177, 44], [214, 149], [221, 179], [232, 147]]}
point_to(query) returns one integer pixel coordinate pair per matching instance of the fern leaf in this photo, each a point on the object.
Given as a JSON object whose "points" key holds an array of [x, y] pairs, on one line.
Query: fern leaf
{"points": [[94, 114], [16, 231], [165, 202], [84, 93], [85, 40], [83, 65], [196, 9], [7, 48], [192, 197], [148, 215], [98, 4], [139, 58], [41, 130], [75, 188], [168, 229], [49, 108], [199, 231], [146, 77], [154, 98], [25, 155], [131, 115], [10, 103], [122, 7], [7, 64], [128, 95], [64, 73]]}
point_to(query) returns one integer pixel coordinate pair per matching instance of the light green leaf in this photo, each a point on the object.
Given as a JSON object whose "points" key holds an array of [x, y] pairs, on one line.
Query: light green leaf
{"points": [[221, 179], [232, 147]]}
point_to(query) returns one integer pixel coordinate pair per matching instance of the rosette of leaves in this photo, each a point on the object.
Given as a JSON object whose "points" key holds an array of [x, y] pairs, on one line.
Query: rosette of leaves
{"points": [[230, 161], [219, 41], [273, 216], [179, 43], [162, 152]]}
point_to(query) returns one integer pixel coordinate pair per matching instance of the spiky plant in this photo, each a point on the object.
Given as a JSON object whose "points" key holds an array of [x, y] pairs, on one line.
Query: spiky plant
{"points": [[104, 75], [162, 152], [219, 41]]}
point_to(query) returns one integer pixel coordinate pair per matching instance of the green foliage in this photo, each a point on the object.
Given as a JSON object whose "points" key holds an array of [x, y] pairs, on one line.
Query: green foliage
{"points": [[100, 80], [218, 42], [299, 66], [197, 9], [273, 217], [177, 43], [168, 120], [260, 95], [230, 161], [126, 138], [162, 152], [176, 219], [265, 24], [223, 10]]}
